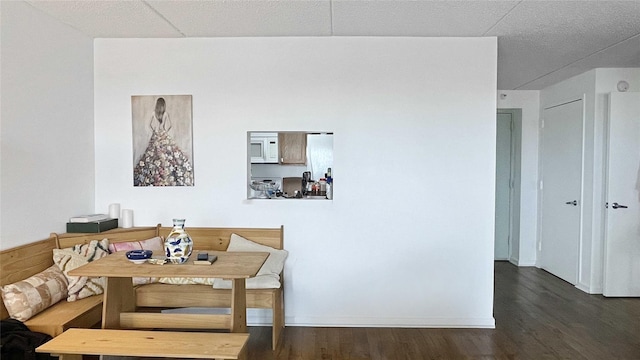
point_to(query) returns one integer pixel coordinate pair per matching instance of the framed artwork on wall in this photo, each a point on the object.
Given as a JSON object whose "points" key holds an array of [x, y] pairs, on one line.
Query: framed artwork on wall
{"points": [[162, 140]]}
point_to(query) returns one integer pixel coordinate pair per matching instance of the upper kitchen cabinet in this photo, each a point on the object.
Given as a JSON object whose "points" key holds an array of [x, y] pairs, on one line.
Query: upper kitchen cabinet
{"points": [[293, 148]]}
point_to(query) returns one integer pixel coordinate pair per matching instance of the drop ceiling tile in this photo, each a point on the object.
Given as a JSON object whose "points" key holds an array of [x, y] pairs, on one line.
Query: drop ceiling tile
{"points": [[247, 17], [551, 18], [417, 18], [551, 35], [625, 54], [109, 18]]}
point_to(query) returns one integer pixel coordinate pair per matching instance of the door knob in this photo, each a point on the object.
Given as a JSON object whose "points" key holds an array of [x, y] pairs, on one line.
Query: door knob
{"points": [[618, 206], [574, 203]]}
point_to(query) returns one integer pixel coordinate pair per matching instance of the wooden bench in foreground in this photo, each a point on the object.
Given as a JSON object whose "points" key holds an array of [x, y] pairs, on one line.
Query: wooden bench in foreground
{"points": [[73, 343]]}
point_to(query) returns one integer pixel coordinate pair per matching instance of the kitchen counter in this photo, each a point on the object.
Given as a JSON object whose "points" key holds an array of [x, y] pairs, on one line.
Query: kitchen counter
{"points": [[292, 198]]}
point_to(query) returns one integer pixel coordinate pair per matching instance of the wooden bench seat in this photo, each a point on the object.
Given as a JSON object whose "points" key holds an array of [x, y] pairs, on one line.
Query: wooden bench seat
{"points": [[83, 313], [74, 343]]}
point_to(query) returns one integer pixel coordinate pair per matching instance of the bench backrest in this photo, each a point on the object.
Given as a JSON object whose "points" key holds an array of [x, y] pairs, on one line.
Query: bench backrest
{"points": [[209, 238], [204, 238], [116, 235]]}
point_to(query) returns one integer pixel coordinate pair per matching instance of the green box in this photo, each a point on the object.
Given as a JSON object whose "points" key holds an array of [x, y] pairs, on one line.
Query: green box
{"points": [[92, 227]]}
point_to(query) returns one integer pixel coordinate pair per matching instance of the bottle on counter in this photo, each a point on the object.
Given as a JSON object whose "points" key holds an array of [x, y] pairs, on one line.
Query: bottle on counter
{"points": [[329, 186], [306, 182]]}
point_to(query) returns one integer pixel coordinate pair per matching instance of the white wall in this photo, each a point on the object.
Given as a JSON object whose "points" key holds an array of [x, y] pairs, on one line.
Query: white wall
{"points": [[47, 153], [594, 86], [529, 102], [408, 238]]}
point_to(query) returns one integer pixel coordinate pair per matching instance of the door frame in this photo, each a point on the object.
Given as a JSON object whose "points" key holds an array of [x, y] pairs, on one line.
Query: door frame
{"points": [[608, 292], [515, 173]]}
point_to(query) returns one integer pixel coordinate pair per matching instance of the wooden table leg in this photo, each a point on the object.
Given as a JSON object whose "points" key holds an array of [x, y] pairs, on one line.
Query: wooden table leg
{"points": [[119, 297], [239, 310], [70, 357], [238, 306]]}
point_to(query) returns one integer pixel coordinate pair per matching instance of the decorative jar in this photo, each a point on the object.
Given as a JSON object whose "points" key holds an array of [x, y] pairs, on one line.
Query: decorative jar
{"points": [[178, 245]]}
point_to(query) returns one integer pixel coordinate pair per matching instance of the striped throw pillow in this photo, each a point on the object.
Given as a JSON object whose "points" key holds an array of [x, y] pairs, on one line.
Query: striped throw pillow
{"points": [[68, 259]]}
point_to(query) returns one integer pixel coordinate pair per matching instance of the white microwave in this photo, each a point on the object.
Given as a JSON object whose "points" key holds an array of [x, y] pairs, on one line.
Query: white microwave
{"points": [[263, 148]]}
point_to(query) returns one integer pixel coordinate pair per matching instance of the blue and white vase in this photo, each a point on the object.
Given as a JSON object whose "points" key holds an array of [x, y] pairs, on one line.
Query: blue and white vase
{"points": [[178, 244]]}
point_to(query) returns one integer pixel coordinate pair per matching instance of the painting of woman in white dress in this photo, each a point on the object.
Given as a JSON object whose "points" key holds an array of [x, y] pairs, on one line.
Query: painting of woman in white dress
{"points": [[162, 140]]}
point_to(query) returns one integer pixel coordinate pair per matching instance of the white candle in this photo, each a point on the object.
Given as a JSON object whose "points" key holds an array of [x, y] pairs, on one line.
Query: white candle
{"points": [[114, 211], [127, 218]]}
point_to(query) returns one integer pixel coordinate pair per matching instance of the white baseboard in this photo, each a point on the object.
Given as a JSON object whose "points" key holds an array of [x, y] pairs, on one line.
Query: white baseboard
{"points": [[526, 263], [583, 287], [262, 317], [586, 288], [310, 321]]}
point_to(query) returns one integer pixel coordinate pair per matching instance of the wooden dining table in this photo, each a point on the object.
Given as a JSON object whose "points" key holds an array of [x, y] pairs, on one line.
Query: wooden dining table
{"points": [[119, 305]]}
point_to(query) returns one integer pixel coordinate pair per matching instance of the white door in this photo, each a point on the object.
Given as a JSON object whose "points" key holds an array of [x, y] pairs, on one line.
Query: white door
{"points": [[622, 239], [561, 189], [503, 186]]}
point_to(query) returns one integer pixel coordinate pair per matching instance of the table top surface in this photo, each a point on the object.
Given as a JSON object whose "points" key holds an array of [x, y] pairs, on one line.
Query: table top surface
{"points": [[229, 265]]}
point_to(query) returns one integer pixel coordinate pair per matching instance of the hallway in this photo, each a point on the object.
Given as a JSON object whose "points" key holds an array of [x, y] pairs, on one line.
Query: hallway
{"points": [[538, 316]]}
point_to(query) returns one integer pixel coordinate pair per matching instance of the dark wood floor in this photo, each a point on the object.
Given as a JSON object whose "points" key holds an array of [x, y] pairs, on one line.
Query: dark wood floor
{"points": [[538, 316]]}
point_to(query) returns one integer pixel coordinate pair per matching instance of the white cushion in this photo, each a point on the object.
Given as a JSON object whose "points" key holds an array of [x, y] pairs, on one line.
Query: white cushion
{"points": [[269, 275], [275, 261], [185, 281], [267, 281]]}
